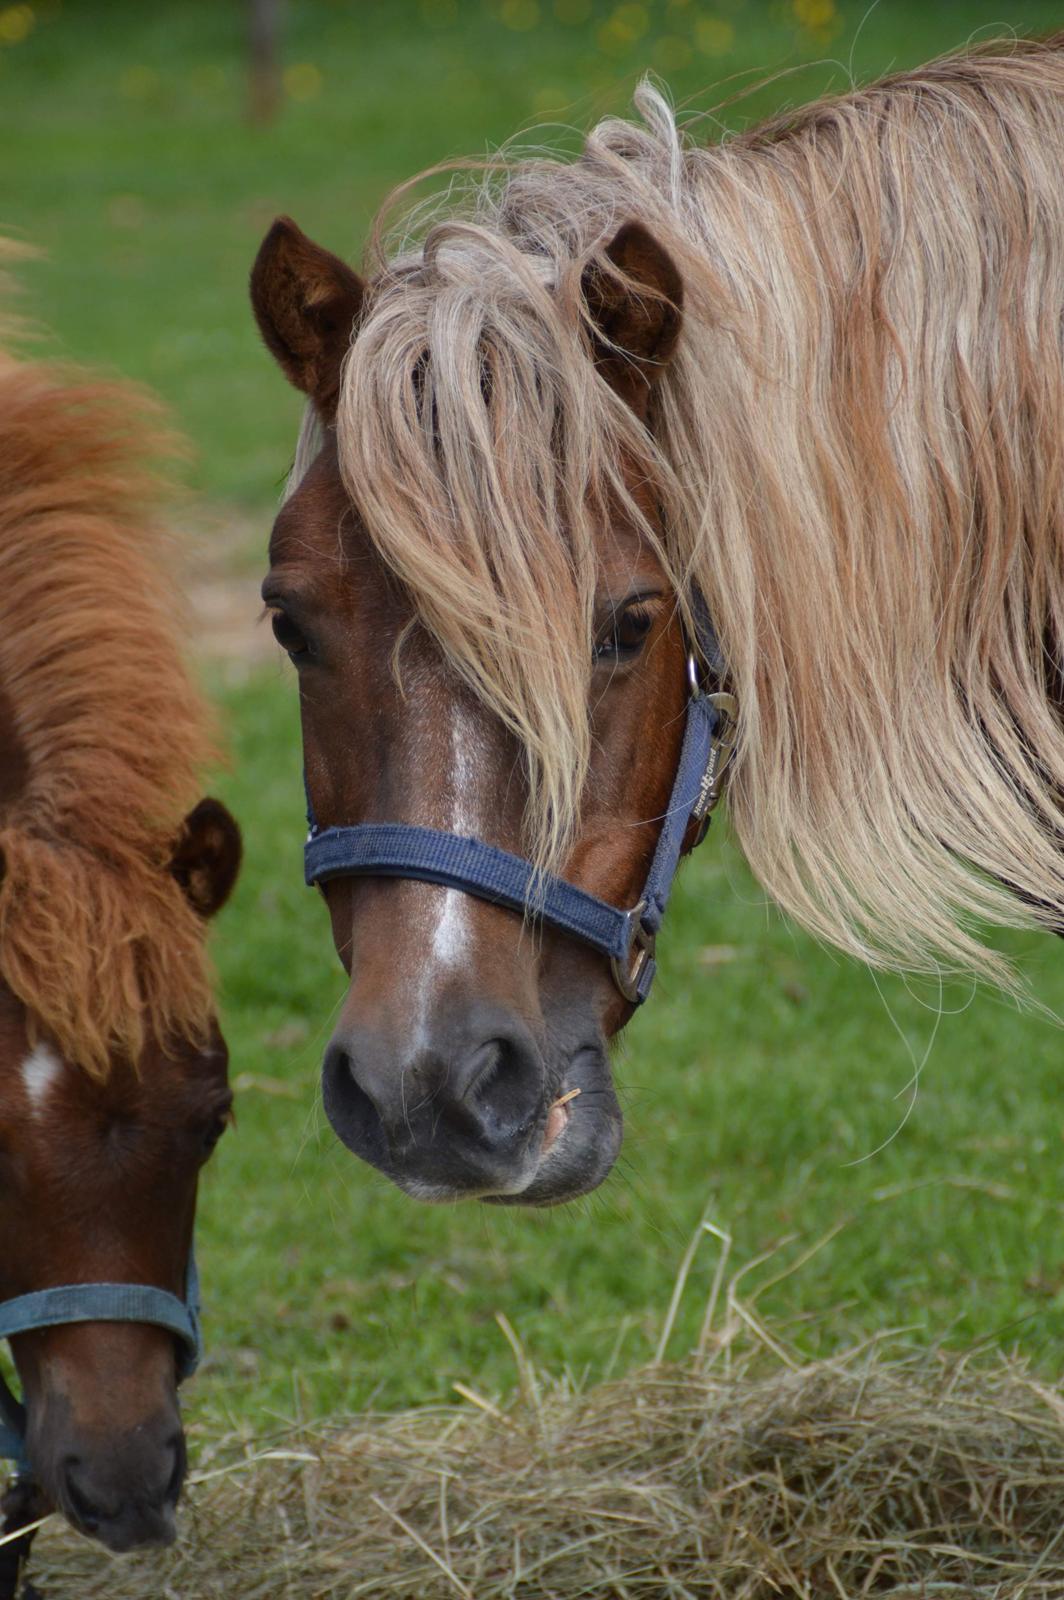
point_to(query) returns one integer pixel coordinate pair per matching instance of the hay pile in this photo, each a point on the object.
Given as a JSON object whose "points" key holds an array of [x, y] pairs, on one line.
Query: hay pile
{"points": [[861, 1476]]}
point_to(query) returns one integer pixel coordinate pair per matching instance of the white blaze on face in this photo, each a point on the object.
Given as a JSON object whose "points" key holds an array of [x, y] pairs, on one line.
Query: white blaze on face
{"points": [[449, 925], [452, 929], [40, 1071]]}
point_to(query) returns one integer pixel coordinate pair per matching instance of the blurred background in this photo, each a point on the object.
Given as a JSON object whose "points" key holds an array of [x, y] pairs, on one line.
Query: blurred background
{"points": [[771, 1085]]}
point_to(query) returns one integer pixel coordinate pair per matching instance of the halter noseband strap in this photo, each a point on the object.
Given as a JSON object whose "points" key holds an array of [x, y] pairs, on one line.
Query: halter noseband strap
{"points": [[401, 850], [97, 1302]]}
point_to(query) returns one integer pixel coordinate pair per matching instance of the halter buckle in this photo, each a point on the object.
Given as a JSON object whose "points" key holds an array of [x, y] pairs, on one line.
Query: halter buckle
{"points": [[634, 977]]}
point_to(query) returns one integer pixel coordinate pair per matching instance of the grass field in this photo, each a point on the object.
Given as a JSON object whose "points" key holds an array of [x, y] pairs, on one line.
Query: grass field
{"points": [[767, 1083]]}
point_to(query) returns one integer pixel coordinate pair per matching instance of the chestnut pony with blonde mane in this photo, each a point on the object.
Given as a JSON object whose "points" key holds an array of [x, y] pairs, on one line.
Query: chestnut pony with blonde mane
{"points": [[813, 373], [112, 1070]]}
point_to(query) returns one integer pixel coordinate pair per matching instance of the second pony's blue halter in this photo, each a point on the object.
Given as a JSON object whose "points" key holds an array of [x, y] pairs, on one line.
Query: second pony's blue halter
{"points": [[402, 850], [96, 1302]]}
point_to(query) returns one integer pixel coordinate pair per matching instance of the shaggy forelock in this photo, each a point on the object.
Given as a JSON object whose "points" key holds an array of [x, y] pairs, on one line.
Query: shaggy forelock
{"points": [[858, 449], [480, 448]]}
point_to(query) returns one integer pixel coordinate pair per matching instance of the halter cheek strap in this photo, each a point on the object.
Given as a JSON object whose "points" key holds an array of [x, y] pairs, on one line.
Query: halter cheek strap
{"points": [[97, 1302], [626, 937]]}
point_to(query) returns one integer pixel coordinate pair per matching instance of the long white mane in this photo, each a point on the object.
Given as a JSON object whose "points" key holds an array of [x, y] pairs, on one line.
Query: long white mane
{"points": [[859, 448]]}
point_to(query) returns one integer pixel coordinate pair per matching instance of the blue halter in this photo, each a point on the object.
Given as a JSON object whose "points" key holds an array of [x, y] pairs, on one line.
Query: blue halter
{"points": [[627, 938], [96, 1302]]}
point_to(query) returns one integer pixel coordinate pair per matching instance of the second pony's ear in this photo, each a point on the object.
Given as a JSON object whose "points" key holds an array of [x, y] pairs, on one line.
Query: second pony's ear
{"points": [[206, 856], [636, 309], [306, 303]]}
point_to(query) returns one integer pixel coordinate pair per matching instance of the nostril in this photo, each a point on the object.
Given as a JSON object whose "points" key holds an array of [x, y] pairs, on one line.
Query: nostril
{"points": [[483, 1067], [172, 1491], [349, 1108], [82, 1509], [505, 1088]]}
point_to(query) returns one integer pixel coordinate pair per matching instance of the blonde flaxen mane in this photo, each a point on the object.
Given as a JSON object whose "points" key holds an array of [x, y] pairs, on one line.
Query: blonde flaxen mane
{"points": [[859, 452], [96, 939]]}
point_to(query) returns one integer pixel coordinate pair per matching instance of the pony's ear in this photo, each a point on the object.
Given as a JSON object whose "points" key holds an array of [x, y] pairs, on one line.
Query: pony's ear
{"points": [[306, 303], [206, 856], [635, 306]]}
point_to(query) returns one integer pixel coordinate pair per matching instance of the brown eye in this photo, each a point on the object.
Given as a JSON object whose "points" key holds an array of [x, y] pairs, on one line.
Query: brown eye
{"points": [[213, 1132], [288, 634], [627, 634], [212, 1126]]}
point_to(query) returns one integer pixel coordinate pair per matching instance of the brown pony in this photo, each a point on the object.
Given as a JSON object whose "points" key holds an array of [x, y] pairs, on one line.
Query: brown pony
{"points": [[812, 377], [113, 1086]]}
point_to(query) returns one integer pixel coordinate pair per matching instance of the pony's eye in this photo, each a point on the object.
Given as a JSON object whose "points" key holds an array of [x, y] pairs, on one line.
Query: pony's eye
{"points": [[213, 1132], [288, 634], [627, 634]]}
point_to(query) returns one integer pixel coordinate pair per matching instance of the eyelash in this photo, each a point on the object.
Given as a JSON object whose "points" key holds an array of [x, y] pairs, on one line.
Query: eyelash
{"points": [[614, 647]]}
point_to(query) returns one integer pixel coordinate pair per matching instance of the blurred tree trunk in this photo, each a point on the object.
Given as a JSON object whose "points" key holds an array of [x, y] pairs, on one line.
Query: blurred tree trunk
{"points": [[264, 82]]}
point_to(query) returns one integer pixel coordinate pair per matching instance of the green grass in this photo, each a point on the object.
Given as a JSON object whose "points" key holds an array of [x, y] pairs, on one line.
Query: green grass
{"points": [[752, 1084]]}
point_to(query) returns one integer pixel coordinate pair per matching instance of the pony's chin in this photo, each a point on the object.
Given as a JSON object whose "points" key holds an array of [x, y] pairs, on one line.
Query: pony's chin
{"points": [[578, 1161], [576, 1156], [153, 1533], [573, 1150], [574, 1166]]}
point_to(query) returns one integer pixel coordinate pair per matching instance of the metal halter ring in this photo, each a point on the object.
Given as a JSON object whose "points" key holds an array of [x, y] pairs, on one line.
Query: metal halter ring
{"points": [[641, 949]]}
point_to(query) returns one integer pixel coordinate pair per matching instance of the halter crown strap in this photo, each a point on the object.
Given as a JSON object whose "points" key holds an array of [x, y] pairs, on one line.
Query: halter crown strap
{"points": [[627, 937]]}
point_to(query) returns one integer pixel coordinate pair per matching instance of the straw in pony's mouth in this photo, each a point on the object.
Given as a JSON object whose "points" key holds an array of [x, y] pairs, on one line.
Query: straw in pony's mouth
{"points": [[557, 1120]]}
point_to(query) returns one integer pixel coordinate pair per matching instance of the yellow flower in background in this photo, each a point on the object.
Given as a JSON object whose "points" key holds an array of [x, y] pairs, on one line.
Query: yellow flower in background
{"points": [[138, 83], [16, 22], [521, 15], [302, 80], [715, 36], [815, 14], [631, 21], [627, 24], [671, 53], [546, 101], [572, 12]]}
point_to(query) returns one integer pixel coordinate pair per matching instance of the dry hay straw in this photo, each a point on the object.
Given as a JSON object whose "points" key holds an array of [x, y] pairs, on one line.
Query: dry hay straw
{"points": [[735, 1474]]}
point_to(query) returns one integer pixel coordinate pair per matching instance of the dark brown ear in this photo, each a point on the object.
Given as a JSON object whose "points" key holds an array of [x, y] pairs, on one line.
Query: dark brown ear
{"points": [[206, 856], [306, 302], [635, 311]]}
